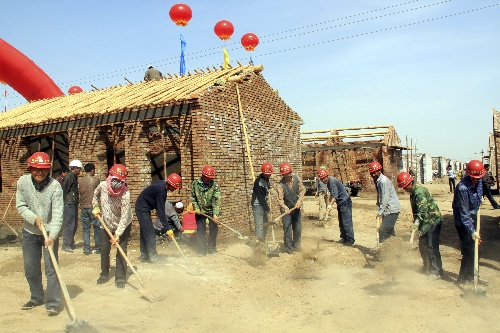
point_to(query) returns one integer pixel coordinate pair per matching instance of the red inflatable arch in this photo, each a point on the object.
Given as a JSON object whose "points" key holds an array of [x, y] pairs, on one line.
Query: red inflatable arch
{"points": [[24, 76]]}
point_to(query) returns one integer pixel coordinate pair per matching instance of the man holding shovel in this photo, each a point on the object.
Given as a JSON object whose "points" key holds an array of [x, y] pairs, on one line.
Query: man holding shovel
{"points": [[427, 222], [466, 202], [112, 200], [39, 200], [260, 206], [154, 197], [387, 201], [344, 206], [291, 193], [322, 193], [205, 197]]}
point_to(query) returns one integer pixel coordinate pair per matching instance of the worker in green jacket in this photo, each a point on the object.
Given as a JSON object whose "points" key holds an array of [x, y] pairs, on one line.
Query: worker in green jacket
{"points": [[205, 197], [427, 222]]}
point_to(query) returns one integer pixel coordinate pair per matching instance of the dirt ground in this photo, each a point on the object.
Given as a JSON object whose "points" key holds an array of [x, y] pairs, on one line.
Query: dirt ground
{"points": [[327, 288]]}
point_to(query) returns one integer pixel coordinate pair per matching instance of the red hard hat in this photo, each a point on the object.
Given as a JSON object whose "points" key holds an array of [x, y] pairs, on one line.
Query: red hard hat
{"points": [[322, 173], [267, 169], [285, 168], [475, 169], [374, 166], [404, 179], [208, 172], [119, 171], [175, 180], [39, 160]]}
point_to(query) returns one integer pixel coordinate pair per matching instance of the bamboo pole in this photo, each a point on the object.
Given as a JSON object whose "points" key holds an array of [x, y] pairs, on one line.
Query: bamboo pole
{"points": [[345, 129], [407, 160], [245, 132], [411, 155], [53, 155], [161, 129]]}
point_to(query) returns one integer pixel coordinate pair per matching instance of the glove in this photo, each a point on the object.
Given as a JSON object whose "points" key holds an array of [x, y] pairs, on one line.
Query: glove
{"points": [[96, 210], [170, 233], [215, 218], [197, 211], [415, 225], [475, 235]]}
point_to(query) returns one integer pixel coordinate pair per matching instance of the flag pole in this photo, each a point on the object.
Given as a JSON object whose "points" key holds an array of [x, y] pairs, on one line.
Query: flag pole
{"points": [[5, 96]]}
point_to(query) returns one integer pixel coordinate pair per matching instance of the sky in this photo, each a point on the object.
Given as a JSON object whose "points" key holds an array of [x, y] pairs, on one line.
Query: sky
{"points": [[429, 68]]}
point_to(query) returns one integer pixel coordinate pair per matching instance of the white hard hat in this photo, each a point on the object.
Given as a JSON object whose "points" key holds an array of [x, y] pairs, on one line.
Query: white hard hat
{"points": [[179, 205], [75, 163]]}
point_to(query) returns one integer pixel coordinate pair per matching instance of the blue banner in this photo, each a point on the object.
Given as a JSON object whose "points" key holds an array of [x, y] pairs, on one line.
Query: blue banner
{"points": [[183, 62]]}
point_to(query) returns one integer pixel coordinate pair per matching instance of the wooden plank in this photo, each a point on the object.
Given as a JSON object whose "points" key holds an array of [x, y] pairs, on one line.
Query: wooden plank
{"points": [[341, 147]]}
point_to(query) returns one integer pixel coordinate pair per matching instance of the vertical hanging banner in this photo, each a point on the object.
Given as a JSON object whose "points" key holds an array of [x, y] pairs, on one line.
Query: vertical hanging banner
{"points": [[226, 58], [182, 70]]}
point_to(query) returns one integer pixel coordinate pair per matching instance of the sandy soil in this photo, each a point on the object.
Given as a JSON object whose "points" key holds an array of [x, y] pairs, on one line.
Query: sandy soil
{"points": [[327, 288]]}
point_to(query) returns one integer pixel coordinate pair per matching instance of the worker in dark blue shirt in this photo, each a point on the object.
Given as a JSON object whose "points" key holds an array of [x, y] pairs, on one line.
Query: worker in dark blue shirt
{"points": [[151, 198], [466, 202], [339, 195]]}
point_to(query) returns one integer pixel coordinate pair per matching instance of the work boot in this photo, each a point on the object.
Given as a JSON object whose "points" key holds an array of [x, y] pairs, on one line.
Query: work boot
{"points": [[101, 280], [53, 311], [120, 284], [30, 305]]}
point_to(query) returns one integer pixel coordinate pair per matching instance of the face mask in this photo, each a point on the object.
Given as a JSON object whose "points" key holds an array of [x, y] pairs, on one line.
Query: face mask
{"points": [[116, 183]]}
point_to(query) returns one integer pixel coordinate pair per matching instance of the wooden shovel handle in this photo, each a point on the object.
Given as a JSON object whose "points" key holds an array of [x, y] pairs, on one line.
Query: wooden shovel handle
{"points": [[224, 225], [67, 298], [476, 251], [124, 255]]}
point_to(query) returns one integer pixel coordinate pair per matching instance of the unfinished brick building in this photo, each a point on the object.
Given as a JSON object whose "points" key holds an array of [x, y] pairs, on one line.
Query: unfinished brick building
{"points": [[346, 157], [178, 124], [494, 147]]}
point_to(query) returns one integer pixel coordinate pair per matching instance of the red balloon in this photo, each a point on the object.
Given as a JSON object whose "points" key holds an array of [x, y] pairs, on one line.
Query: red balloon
{"points": [[249, 41], [74, 90], [224, 29], [181, 14]]}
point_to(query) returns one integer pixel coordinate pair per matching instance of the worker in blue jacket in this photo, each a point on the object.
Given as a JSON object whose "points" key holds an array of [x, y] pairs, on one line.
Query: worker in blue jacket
{"points": [[151, 198]]}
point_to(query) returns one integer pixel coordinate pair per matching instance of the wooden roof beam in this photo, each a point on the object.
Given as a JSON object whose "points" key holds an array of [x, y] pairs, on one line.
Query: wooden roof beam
{"points": [[346, 129]]}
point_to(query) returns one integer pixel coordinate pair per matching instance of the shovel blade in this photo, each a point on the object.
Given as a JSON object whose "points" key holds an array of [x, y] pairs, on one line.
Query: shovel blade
{"points": [[151, 296]]}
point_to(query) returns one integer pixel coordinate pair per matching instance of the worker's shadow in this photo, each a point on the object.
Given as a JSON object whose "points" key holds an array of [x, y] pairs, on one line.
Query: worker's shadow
{"points": [[8, 239], [74, 290], [370, 255]]}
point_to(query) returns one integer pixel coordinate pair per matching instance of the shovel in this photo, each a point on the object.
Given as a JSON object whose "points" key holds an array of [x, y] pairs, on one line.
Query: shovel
{"points": [[240, 236], [190, 271], [75, 325], [378, 232], [274, 250], [277, 219], [477, 290], [411, 246], [143, 291]]}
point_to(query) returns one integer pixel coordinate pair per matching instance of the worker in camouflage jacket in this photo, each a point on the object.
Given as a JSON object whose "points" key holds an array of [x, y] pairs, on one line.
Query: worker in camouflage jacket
{"points": [[427, 222], [205, 197]]}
